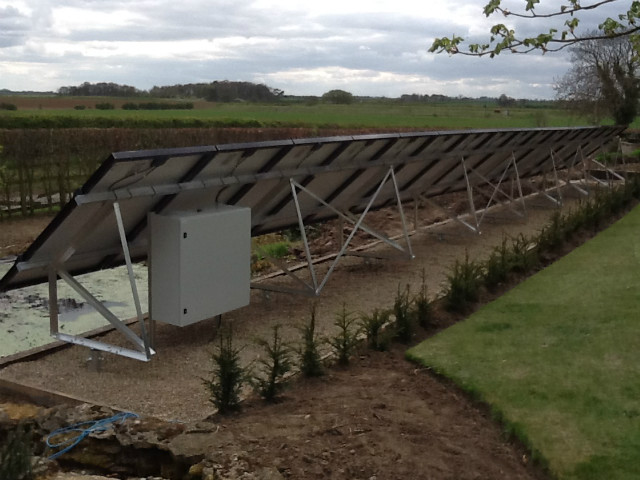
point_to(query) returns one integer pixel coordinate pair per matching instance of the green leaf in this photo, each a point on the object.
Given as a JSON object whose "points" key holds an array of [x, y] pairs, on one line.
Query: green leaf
{"points": [[572, 24], [498, 29], [491, 7], [531, 4], [610, 26], [445, 44]]}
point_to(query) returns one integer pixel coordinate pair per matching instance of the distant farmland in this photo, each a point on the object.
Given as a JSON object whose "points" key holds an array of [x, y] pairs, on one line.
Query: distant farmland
{"points": [[54, 111]]}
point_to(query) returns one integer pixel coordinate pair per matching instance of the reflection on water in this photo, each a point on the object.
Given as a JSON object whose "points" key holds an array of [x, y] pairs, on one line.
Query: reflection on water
{"points": [[24, 313]]}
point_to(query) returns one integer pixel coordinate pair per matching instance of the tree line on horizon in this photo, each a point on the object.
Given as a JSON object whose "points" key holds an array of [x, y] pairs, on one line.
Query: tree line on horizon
{"points": [[229, 91], [217, 91]]}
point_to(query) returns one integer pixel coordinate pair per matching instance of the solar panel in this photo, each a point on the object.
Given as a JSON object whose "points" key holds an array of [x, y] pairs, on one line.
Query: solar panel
{"points": [[285, 184], [343, 171]]}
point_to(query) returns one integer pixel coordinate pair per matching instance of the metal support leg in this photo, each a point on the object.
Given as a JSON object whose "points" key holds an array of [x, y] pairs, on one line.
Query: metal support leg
{"points": [[519, 185], [510, 197], [307, 289], [132, 280], [621, 156], [545, 190], [144, 350], [353, 232], [585, 173], [307, 250], [113, 320], [472, 207], [53, 302], [405, 231], [511, 172], [556, 179], [584, 188]]}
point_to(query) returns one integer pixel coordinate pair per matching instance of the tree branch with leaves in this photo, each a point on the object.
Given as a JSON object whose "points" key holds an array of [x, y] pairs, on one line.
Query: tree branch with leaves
{"points": [[504, 38]]}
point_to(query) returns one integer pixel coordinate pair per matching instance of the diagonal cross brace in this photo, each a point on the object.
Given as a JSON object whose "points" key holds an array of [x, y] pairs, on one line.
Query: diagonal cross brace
{"points": [[545, 192], [143, 351], [477, 216], [498, 190], [570, 169], [317, 284], [587, 177]]}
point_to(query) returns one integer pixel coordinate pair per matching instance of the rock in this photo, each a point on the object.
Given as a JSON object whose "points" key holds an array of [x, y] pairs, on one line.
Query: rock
{"points": [[152, 430], [196, 470], [43, 468], [146, 447], [90, 456], [208, 473], [5, 421], [269, 473], [76, 476]]}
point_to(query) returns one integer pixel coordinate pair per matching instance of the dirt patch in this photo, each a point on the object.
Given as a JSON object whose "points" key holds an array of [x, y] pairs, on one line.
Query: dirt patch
{"points": [[380, 418], [17, 234]]}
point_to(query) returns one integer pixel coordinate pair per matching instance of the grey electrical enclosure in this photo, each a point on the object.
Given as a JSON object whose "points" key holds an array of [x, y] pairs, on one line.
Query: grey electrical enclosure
{"points": [[200, 263]]}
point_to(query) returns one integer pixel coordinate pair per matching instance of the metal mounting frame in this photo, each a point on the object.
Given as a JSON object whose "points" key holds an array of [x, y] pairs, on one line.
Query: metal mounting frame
{"points": [[268, 177], [143, 349], [256, 175], [545, 191], [582, 185], [611, 174], [510, 172], [317, 284]]}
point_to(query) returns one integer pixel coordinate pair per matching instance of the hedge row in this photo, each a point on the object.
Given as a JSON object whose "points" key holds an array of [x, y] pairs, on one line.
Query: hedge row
{"points": [[64, 121], [40, 168]]}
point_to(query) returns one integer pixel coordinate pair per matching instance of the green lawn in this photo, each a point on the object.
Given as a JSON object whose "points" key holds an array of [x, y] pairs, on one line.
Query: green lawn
{"points": [[558, 357]]}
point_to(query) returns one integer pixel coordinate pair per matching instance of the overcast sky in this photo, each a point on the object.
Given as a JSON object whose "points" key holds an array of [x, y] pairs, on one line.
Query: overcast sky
{"points": [[368, 47]]}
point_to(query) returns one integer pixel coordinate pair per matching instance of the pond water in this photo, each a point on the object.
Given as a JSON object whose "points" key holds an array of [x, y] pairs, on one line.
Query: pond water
{"points": [[24, 313]]}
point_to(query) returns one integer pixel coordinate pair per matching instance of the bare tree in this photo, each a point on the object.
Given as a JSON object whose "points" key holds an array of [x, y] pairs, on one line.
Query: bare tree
{"points": [[602, 79]]}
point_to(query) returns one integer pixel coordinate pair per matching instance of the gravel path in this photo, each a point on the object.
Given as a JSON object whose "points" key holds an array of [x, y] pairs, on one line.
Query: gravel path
{"points": [[170, 385]]}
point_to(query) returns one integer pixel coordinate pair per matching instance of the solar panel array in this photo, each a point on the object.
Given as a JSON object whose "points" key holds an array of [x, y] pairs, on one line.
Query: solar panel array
{"points": [[343, 171]]}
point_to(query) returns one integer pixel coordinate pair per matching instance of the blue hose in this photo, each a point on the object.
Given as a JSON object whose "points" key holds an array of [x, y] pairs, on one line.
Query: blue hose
{"points": [[83, 429]]}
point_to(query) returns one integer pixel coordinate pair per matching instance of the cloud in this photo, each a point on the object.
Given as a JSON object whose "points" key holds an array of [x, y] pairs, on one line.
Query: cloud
{"points": [[14, 27], [369, 48]]}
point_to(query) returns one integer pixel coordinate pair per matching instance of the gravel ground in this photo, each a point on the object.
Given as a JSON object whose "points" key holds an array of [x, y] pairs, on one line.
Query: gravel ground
{"points": [[170, 386]]}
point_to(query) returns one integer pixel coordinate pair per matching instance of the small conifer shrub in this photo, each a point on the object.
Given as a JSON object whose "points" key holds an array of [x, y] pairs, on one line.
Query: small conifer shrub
{"points": [[227, 376], [345, 342], [274, 366], [373, 327], [402, 310], [16, 451], [310, 360]]}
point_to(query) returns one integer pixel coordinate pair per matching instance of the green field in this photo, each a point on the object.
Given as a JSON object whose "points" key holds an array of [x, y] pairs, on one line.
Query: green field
{"points": [[369, 114], [557, 358]]}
